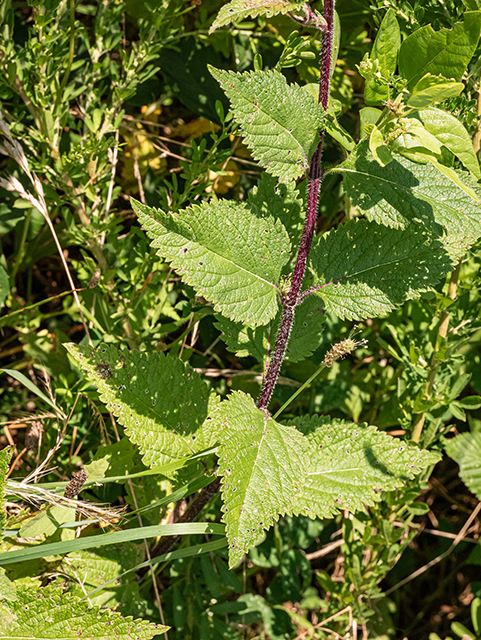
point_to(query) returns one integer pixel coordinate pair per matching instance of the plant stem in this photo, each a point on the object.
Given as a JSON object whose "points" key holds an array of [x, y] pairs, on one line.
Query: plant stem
{"points": [[442, 333], [315, 178]]}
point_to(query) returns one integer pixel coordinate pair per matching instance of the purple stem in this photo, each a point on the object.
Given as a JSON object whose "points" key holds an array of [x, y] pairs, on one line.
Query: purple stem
{"points": [[315, 179]]}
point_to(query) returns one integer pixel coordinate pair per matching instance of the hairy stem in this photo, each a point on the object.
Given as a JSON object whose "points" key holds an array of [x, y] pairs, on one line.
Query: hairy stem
{"points": [[315, 179]]}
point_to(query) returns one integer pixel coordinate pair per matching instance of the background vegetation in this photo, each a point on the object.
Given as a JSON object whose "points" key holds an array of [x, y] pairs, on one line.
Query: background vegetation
{"points": [[112, 98]]}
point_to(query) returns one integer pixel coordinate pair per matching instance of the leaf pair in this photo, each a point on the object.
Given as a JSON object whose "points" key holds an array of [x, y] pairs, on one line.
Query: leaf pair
{"points": [[314, 466]]}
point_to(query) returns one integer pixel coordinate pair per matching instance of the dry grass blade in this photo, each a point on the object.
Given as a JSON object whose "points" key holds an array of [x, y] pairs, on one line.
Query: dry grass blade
{"points": [[13, 149]]}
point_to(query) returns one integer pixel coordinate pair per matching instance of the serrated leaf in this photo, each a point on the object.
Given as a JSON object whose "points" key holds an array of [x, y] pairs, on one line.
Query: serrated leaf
{"points": [[304, 339], [160, 401], [279, 121], [231, 253], [281, 201], [352, 464], [239, 9], [262, 464], [452, 134], [431, 89], [364, 269], [49, 613], [446, 52], [5, 456], [465, 449], [404, 192]]}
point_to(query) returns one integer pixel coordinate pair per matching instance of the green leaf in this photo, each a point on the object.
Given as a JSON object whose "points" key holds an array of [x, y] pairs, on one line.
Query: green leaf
{"points": [[160, 401], [304, 339], [465, 449], [47, 522], [281, 201], [104, 539], [404, 192], [470, 402], [5, 456], [112, 460], [279, 121], [431, 89], [49, 613], [8, 590], [352, 463], [231, 253], [379, 150], [262, 464], [237, 10], [364, 269], [339, 134], [385, 51], [387, 44], [368, 116], [446, 52], [452, 134]]}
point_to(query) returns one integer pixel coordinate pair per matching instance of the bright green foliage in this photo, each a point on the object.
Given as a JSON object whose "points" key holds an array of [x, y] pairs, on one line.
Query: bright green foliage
{"points": [[5, 455], [317, 469], [364, 269], [279, 121], [46, 523], [352, 464], [384, 56], [114, 459], [466, 450], [160, 401], [49, 613], [237, 10], [431, 89], [405, 192], [446, 52], [263, 464], [231, 253], [304, 340], [451, 133], [8, 590]]}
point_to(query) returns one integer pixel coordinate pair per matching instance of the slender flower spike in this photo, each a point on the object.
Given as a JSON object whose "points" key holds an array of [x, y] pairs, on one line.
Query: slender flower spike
{"points": [[342, 349]]}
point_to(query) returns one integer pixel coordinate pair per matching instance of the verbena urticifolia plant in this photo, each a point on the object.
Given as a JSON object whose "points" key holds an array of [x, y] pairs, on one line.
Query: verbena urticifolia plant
{"points": [[413, 213]]}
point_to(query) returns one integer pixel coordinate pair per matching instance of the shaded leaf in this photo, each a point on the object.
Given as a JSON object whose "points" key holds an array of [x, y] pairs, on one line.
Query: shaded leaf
{"points": [[231, 253], [352, 465], [465, 449], [269, 113], [160, 401], [364, 269], [304, 339], [404, 192]]}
